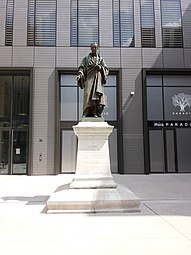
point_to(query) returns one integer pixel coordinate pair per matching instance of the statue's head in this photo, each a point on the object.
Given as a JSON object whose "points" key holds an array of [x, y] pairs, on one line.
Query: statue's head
{"points": [[94, 48]]}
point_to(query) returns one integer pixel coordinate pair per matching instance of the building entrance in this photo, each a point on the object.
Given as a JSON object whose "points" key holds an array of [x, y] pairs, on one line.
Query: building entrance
{"points": [[14, 121], [168, 123], [13, 151]]}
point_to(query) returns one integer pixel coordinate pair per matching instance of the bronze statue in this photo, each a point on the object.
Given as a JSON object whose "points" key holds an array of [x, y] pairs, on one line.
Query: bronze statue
{"points": [[92, 75]]}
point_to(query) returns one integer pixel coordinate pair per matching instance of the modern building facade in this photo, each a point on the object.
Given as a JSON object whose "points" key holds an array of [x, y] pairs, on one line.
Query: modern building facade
{"points": [[147, 47]]}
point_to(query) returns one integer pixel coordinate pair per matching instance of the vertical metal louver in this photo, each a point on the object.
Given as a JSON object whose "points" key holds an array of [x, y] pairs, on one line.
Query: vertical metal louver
{"points": [[9, 23], [171, 24], [41, 23], [84, 22], [123, 23], [147, 23]]}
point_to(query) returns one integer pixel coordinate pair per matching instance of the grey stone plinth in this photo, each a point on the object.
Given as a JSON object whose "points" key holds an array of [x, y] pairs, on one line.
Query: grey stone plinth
{"points": [[120, 199]]}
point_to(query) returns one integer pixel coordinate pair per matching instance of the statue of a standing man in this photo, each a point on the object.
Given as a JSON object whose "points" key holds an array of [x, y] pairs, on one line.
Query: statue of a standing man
{"points": [[92, 75]]}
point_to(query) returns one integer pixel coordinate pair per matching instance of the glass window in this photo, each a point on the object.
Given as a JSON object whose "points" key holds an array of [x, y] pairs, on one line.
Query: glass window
{"points": [[14, 100], [156, 150], [177, 80], [154, 104], [9, 23], [171, 24], [68, 103], [183, 150], [154, 80], [72, 98], [21, 101], [69, 151], [41, 23], [123, 27], [4, 151], [6, 83], [84, 22], [147, 23], [177, 103]]}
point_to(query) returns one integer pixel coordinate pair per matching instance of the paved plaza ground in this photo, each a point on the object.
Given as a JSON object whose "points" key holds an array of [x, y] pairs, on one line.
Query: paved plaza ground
{"points": [[162, 228]]}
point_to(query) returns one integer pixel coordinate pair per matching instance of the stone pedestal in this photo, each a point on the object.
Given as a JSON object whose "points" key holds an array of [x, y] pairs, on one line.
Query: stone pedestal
{"points": [[93, 161], [93, 188]]}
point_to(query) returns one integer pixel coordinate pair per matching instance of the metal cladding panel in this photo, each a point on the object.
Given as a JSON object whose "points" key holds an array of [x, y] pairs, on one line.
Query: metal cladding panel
{"points": [[21, 3], [173, 58], [66, 57], [152, 58], [131, 58], [43, 120], [133, 154], [187, 58], [186, 20], [3, 3], [2, 25], [185, 4], [6, 56], [20, 18], [158, 31], [106, 25], [44, 57], [129, 78], [111, 56], [132, 104], [63, 23], [23, 56], [132, 121], [82, 52], [137, 25], [20, 26]]}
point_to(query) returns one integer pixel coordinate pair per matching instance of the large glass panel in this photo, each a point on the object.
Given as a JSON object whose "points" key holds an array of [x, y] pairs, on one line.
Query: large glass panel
{"points": [[68, 103], [147, 23], [154, 103], [123, 26], [177, 80], [170, 151], [4, 151], [84, 22], [154, 80], [171, 24], [177, 103], [21, 101], [110, 107], [183, 150], [20, 140], [69, 150], [156, 151], [68, 80], [6, 85], [42, 23]]}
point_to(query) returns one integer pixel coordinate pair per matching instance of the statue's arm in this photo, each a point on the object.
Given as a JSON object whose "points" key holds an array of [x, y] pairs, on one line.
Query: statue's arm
{"points": [[81, 74], [104, 71]]}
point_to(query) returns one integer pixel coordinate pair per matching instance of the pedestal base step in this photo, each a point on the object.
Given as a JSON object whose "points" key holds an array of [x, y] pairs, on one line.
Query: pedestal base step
{"points": [[105, 200]]}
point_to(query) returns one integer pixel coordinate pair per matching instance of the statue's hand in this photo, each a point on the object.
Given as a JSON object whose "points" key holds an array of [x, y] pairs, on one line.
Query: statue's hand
{"points": [[78, 77], [98, 67]]}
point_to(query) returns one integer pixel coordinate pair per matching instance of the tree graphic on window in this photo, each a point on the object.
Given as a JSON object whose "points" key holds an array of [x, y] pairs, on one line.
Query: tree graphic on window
{"points": [[182, 100]]}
